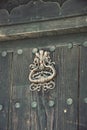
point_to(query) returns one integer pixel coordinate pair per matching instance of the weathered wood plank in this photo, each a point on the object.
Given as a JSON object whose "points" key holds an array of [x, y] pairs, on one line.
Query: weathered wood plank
{"points": [[23, 116], [5, 83], [66, 113], [60, 40], [44, 28], [12, 12], [83, 90], [58, 117]]}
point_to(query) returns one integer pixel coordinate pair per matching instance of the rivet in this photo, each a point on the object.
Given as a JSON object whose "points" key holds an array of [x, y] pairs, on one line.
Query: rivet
{"points": [[17, 105], [19, 51], [70, 45], [85, 100], [1, 107], [65, 110], [34, 104], [52, 48], [34, 50], [4, 53], [69, 101], [85, 44], [51, 103], [34, 2]]}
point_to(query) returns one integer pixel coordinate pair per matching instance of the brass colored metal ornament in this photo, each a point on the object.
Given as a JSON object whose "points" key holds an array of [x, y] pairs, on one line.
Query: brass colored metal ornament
{"points": [[42, 72]]}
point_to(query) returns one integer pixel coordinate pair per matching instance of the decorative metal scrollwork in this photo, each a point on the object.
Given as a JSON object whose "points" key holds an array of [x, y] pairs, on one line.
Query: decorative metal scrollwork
{"points": [[42, 72]]}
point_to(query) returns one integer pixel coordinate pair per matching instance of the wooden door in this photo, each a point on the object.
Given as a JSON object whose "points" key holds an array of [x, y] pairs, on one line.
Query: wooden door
{"points": [[83, 89], [54, 109], [5, 83]]}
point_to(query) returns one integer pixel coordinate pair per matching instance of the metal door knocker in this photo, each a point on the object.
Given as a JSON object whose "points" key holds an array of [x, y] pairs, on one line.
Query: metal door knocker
{"points": [[42, 72]]}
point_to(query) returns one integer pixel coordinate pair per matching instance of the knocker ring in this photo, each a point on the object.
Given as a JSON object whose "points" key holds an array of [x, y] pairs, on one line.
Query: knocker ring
{"points": [[42, 72]]}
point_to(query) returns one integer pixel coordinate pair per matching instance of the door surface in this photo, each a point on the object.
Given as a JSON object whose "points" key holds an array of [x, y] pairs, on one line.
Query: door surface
{"points": [[54, 109], [83, 89], [60, 108], [5, 83]]}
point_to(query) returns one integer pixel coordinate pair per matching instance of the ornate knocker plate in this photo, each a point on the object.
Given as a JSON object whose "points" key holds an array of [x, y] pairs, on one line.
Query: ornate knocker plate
{"points": [[42, 72]]}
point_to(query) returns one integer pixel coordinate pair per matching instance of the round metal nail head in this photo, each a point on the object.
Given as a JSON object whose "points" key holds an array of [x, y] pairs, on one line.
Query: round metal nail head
{"points": [[69, 101], [1, 107], [85, 100], [51, 103], [20, 51], [17, 105], [34, 50], [85, 44], [34, 104], [52, 48], [70, 45], [4, 53]]}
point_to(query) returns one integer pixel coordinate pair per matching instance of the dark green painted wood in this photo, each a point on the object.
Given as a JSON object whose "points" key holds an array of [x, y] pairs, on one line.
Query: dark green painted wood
{"points": [[44, 117], [5, 82], [83, 90], [18, 11], [20, 118], [66, 116], [44, 28], [60, 40]]}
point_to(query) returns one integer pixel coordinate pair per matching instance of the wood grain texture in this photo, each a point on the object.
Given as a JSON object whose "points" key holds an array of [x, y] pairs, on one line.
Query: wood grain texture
{"points": [[18, 11], [44, 28], [44, 117], [66, 116], [83, 89], [20, 118], [5, 82], [26, 117]]}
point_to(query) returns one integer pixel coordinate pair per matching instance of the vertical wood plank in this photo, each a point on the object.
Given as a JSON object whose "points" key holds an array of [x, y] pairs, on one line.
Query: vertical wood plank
{"points": [[5, 71], [83, 90], [59, 117], [22, 117], [66, 113]]}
